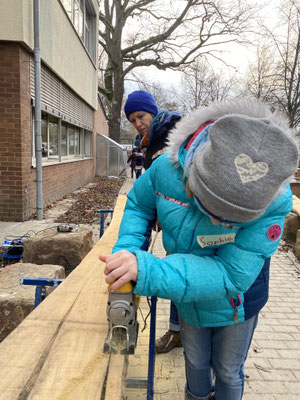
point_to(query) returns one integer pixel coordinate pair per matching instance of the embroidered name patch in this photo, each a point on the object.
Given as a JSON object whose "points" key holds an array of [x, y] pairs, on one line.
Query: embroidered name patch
{"points": [[215, 240]]}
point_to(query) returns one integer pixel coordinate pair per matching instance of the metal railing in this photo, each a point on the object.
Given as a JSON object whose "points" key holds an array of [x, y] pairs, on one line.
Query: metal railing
{"points": [[111, 157]]}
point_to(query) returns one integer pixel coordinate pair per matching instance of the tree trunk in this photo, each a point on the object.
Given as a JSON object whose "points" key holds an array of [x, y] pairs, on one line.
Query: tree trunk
{"points": [[115, 120]]}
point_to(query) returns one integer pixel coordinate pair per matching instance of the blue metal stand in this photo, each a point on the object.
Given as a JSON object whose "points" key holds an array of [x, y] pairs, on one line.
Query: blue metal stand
{"points": [[151, 359], [102, 212], [14, 249], [40, 284]]}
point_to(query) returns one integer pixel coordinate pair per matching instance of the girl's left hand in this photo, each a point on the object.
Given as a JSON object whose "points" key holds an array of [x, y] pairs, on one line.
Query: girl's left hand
{"points": [[121, 267]]}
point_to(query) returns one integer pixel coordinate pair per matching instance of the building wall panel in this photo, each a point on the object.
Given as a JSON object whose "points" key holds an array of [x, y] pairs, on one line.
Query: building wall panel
{"points": [[61, 47]]}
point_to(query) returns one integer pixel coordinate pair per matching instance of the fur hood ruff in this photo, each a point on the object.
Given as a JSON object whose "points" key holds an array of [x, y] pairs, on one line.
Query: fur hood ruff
{"points": [[189, 124]]}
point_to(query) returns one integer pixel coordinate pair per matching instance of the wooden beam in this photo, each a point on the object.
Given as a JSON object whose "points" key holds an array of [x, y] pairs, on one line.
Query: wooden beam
{"points": [[57, 351]]}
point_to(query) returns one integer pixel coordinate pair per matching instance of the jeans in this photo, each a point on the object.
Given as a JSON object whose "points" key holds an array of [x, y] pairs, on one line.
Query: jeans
{"points": [[174, 319], [223, 350], [138, 172]]}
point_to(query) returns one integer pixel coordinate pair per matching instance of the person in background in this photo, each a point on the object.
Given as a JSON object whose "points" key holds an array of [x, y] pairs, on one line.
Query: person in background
{"points": [[221, 196], [153, 126], [137, 141], [139, 163], [132, 160]]}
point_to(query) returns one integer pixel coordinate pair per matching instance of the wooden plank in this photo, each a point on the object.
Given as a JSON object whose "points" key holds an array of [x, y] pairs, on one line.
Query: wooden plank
{"points": [[115, 387], [57, 351]]}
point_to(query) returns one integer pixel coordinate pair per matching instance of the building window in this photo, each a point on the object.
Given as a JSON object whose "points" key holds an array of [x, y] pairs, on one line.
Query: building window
{"points": [[44, 135], [71, 141], [49, 131], [62, 141], [77, 142], [88, 143], [53, 136], [83, 17]]}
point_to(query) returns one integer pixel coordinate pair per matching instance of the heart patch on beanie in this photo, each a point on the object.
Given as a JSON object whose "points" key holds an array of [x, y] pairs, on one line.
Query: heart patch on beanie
{"points": [[248, 170]]}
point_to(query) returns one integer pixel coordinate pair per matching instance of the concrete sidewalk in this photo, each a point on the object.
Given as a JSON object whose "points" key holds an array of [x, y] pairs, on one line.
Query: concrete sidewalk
{"points": [[273, 363]]}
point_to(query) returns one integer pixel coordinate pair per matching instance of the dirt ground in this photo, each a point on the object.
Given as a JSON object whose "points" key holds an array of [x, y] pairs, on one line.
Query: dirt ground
{"points": [[79, 207]]}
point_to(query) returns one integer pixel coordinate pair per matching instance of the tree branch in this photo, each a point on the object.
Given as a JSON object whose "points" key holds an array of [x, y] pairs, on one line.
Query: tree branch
{"points": [[161, 37]]}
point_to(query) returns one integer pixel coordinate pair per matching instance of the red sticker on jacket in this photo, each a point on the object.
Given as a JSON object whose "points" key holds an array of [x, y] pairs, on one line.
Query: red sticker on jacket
{"points": [[274, 232]]}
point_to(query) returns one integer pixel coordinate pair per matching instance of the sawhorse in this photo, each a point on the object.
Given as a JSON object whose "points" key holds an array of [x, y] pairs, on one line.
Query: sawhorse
{"points": [[40, 283], [102, 212], [149, 383]]}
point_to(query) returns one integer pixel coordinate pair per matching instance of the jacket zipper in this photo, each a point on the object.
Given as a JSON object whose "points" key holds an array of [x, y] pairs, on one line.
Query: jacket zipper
{"points": [[235, 305]]}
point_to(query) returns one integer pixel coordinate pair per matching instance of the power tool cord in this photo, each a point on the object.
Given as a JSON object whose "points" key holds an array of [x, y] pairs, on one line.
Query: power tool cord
{"points": [[150, 250]]}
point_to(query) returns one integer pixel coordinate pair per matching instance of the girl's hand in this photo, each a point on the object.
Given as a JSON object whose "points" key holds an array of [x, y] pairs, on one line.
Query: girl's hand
{"points": [[121, 267]]}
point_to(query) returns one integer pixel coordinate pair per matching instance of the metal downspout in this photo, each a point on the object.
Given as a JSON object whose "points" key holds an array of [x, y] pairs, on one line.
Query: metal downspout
{"points": [[37, 114]]}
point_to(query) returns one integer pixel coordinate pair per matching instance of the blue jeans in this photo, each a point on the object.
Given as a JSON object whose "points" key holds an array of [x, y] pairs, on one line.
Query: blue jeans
{"points": [[223, 350], [174, 319]]}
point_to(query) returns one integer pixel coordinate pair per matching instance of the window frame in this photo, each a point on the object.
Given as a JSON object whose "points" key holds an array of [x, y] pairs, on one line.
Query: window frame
{"points": [[86, 27], [78, 154]]}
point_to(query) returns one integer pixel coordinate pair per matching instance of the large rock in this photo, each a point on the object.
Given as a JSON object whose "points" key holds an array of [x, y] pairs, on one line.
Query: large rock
{"points": [[17, 301], [297, 245], [61, 248], [291, 226]]}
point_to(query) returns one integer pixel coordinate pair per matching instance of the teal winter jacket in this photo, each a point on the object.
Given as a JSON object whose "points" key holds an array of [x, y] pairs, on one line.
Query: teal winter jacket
{"points": [[209, 269]]}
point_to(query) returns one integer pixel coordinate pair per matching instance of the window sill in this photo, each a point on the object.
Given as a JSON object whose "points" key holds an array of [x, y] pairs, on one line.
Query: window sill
{"points": [[49, 162]]}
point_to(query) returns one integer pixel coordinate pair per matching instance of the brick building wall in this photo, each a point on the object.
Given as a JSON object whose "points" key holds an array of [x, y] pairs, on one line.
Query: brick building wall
{"points": [[13, 130], [61, 179], [17, 176]]}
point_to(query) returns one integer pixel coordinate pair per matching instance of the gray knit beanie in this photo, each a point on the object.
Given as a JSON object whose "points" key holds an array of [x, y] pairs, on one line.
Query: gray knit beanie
{"points": [[238, 173]]}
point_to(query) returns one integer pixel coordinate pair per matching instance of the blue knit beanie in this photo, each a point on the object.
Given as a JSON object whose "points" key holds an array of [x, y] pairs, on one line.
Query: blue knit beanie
{"points": [[140, 101]]}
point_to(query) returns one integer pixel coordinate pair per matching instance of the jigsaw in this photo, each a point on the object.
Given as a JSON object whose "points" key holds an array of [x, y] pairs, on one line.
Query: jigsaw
{"points": [[121, 314]]}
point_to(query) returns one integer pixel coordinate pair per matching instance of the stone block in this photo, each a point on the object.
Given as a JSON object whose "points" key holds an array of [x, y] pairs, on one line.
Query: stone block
{"points": [[297, 245], [16, 300], [60, 248], [291, 225], [295, 188]]}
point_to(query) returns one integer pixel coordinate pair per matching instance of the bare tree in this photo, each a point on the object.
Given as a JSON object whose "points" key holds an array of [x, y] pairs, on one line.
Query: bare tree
{"points": [[275, 75], [165, 34], [165, 94], [261, 76], [202, 85], [287, 91]]}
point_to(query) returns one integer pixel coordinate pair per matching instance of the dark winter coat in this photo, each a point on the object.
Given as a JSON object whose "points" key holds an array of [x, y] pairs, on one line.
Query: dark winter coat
{"points": [[132, 160], [139, 160], [163, 122]]}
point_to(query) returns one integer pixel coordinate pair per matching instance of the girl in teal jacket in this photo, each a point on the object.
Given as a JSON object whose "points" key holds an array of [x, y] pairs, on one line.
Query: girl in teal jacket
{"points": [[221, 195]]}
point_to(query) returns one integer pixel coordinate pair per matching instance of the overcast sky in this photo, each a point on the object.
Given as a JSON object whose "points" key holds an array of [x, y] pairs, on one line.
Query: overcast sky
{"points": [[234, 54]]}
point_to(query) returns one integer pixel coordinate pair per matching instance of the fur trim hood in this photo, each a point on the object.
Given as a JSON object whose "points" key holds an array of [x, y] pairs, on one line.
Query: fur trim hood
{"points": [[189, 124]]}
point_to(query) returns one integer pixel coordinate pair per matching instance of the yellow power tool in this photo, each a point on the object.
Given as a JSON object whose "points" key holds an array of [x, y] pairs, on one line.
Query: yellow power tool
{"points": [[121, 314]]}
